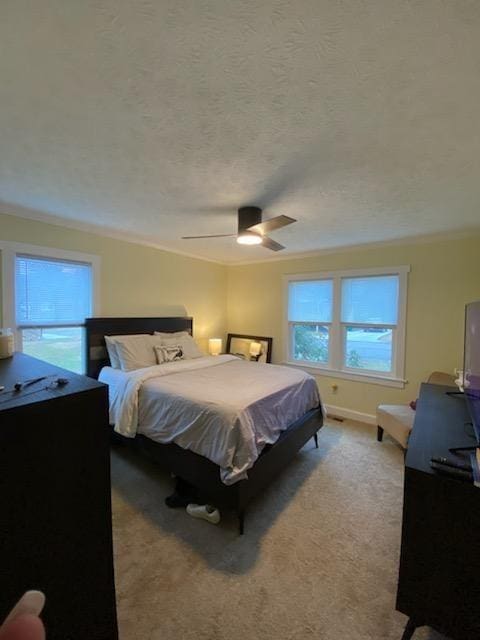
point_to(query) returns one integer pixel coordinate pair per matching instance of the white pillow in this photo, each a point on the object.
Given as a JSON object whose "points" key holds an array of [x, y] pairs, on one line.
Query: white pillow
{"points": [[175, 334], [112, 352], [186, 342], [110, 341], [168, 354], [136, 352]]}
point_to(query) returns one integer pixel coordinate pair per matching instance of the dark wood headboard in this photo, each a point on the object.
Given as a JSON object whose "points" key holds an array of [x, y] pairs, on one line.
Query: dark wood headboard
{"points": [[97, 328]]}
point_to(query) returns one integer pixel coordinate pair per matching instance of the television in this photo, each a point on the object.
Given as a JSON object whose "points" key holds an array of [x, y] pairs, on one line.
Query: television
{"points": [[471, 364]]}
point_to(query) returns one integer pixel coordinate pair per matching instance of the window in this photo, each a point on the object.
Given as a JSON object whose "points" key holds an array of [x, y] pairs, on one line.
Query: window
{"points": [[369, 312], [47, 296], [349, 324], [310, 308]]}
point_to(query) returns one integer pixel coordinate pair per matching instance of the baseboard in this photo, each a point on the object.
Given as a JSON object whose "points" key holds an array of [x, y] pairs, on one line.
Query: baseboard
{"points": [[341, 412]]}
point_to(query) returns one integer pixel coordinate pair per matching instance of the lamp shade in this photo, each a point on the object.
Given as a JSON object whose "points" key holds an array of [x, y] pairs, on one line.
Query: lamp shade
{"points": [[7, 343], [215, 346], [255, 348]]}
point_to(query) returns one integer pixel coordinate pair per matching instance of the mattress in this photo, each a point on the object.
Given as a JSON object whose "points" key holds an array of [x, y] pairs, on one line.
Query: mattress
{"points": [[222, 408]]}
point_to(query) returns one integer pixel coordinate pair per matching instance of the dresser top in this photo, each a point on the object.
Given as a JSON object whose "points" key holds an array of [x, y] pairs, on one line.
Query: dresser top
{"points": [[441, 421], [22, 367]]}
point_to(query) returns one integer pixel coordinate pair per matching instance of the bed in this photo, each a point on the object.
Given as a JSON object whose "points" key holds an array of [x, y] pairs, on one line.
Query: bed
{"points": [[227, 485]]}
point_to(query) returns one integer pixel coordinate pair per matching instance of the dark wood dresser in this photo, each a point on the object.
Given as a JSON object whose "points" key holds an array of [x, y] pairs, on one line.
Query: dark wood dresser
{"points": [[55, 507], [439, 580]]}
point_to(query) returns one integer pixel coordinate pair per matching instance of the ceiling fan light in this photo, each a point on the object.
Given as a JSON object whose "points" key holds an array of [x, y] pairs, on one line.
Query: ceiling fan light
{"points": [[247, 237]]}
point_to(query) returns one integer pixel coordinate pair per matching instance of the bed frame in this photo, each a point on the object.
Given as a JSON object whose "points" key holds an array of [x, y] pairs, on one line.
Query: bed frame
{"points": [[197, 470]]}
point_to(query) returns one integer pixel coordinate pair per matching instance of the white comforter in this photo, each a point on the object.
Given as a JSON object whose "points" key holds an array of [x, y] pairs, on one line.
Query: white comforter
{"points": [[222, 408]]}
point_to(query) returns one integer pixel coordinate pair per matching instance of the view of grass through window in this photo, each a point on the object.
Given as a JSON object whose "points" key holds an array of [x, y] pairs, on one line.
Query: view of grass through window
{"points": [[62, 347], [368, 348], [310, 342]]}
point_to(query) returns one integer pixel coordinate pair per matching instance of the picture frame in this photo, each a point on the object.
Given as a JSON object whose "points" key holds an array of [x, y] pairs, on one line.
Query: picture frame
{"points": [[250, 348]]}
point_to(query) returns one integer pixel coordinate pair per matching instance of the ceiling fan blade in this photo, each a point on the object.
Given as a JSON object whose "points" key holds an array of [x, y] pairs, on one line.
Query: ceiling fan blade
{"points": [[271, 225], [268, 243], [219, 235]]}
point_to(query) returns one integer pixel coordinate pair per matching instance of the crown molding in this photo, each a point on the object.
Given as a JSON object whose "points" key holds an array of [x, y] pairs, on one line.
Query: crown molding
{"points": [[133, 238], [368, 246], [98, 230]]}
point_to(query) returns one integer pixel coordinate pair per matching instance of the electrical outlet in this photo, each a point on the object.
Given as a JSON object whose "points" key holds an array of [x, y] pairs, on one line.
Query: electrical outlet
{"points": [[334, 387]]}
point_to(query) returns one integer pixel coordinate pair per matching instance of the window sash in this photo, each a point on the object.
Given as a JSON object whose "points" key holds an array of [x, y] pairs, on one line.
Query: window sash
{"points": [[337, 354], [364, 370], [373, 325], [20, 346], [46, 325], [19, 328], [291, 340]]}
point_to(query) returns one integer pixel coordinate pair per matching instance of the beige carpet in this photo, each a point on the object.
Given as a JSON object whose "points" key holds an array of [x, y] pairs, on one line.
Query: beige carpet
{"points": [[319, 558]]}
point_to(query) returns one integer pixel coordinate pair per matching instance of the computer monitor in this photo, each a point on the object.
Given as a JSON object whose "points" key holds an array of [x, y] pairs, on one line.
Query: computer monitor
{"points": [[471, 363]]}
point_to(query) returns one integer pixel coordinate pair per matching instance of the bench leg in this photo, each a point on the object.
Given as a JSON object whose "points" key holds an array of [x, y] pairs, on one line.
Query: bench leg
{"points": [[379, 434], [315, 437]]}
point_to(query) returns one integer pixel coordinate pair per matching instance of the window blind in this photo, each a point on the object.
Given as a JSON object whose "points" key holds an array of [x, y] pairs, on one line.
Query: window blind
{"points": [[370, 300], [51, 292], [310, 301]]}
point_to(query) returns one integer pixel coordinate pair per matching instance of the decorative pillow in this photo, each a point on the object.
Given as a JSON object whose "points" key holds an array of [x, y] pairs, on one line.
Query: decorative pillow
{"points": [[186, 342], [136, 352], [110, 342], [168, 354]]}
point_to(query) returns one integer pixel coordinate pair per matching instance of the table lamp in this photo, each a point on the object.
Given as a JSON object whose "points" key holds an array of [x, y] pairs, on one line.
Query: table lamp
{"points": [[215, 346], [255, 350], [7, 343]]}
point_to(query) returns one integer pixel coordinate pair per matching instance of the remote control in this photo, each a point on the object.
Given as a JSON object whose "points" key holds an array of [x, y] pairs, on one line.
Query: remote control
{"points": [[451, 463], [452, 472]]}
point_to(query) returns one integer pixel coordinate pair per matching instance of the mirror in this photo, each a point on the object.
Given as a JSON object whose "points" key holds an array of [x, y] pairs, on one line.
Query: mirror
{"points": [[251, 348]]}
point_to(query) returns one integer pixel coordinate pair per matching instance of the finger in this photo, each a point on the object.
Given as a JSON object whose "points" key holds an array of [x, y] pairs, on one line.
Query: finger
{"points": [[32, 602], [23, 627]]}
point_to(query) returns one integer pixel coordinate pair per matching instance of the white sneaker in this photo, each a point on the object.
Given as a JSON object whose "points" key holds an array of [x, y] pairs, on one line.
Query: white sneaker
{"points": [[205, 512]]}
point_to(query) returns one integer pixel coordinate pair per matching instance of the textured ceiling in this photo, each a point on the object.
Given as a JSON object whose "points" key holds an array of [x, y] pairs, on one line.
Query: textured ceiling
{"points": [[160, 118]]}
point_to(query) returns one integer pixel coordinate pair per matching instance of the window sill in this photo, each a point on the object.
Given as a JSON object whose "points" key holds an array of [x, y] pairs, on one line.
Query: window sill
{"points": [[369, 378]]}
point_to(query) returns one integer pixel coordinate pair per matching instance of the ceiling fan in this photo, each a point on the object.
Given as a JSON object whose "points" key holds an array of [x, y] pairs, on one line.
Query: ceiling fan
{"points": [[251, 229]]}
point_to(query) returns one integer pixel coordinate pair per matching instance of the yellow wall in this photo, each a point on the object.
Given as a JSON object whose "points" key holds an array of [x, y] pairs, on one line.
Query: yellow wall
{"points": [[444, 276], [249, 299], [138, 280]]}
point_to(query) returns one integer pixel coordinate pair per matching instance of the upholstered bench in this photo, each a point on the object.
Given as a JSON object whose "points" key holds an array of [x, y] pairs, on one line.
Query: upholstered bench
{"points": [[396, 420]]}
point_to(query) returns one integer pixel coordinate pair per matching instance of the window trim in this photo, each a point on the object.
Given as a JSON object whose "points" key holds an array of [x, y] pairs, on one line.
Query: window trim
{"points": [[337, 328], [9, 251]]}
